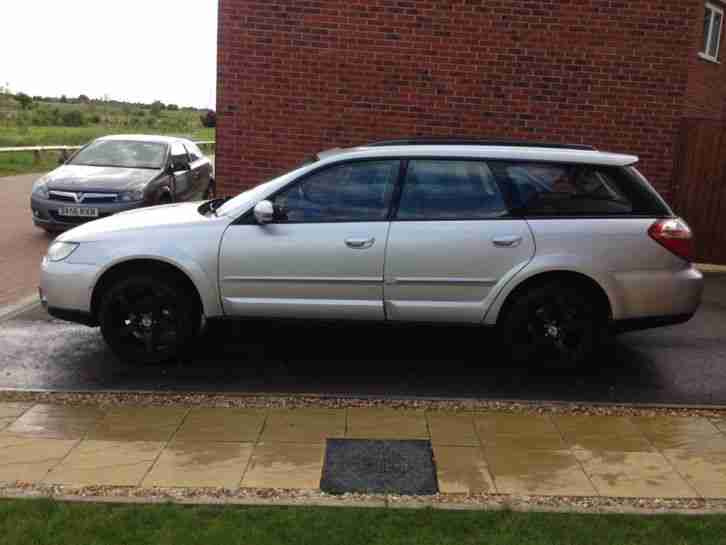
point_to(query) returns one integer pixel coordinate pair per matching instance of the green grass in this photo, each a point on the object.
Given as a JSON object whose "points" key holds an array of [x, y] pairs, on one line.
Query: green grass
{"points": [[41, 522], [26, 163]]}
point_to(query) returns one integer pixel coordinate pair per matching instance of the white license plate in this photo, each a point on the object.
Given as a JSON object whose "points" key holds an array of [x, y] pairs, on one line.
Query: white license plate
{"points": [[78, 212]]}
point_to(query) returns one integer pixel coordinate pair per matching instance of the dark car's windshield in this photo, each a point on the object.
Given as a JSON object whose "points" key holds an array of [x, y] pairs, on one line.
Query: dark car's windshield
{"points": [[121, 153]]}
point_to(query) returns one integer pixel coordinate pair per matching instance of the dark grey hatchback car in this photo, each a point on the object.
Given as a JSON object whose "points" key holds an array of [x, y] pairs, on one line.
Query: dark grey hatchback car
{"points": [[118, 173]]}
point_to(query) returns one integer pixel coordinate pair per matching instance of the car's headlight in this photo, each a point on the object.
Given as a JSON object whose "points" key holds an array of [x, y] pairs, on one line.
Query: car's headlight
{"points": [[40, 189], [131, 196], [58, 251]]}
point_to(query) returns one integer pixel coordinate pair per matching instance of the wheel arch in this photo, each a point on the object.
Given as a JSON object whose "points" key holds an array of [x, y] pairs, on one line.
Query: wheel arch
{"points": [[146, 266], [587, 282]]}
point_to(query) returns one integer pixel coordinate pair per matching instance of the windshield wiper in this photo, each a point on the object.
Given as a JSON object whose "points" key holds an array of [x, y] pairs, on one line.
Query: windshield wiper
{"points": [[213, 205]]}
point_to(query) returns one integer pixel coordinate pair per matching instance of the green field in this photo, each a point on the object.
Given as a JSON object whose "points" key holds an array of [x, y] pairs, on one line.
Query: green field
{"points": [[41, 522], [49, 122]]}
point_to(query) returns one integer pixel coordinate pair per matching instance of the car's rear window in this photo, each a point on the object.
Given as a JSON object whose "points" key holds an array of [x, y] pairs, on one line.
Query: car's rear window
{"points": [[121, 153], [547, 189]]}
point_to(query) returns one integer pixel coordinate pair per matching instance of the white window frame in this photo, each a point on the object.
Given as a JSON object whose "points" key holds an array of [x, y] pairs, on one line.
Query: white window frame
{"points": [[713, 34]]}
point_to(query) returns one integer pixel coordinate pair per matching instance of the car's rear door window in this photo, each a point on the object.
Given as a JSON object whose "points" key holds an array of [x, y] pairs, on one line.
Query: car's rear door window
{"points": [[546, 189], [440, 189], [353, 191]]}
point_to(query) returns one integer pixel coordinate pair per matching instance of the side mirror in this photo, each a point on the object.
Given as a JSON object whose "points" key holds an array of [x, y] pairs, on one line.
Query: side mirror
{"points": [[264, 212]]}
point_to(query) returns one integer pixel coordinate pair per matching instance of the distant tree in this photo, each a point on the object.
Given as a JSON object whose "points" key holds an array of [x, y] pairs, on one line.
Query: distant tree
{"points": [[63, 99], [157, 107], [25, 101], [209, 119], [83, 99], [73, 118], [172, 107]]}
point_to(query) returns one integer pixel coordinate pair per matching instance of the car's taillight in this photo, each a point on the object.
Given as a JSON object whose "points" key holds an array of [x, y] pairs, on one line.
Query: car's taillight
{"points": [[675, 236]]}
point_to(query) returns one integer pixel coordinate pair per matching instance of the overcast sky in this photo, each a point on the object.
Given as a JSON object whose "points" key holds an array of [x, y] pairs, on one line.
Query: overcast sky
{"points": [[136, 50]]}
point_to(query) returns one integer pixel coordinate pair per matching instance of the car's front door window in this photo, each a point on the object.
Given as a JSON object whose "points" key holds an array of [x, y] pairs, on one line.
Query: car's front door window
{"points": [[350, 192]]}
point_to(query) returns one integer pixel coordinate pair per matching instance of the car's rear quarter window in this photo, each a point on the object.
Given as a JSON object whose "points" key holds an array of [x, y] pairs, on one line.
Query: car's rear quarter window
{"points": [[573, 190]]}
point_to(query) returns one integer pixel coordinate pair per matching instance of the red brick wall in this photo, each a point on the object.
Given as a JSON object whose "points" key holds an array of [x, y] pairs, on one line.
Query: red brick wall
{"points": [[706, 92], [298, 76]]}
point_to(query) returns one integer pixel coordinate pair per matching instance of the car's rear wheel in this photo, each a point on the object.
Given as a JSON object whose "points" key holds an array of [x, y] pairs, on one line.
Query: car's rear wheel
{"points": [[554, 324], [147, 319]]}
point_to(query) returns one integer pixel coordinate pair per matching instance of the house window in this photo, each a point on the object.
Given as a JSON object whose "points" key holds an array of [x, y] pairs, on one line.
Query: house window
{"points": [[712, 25]]}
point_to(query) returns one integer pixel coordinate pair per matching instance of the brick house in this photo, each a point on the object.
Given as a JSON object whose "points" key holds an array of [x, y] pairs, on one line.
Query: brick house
{"points": [[299, 76]]}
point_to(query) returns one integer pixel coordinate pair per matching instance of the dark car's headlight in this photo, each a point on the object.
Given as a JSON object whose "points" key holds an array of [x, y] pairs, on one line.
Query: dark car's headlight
{"points": [[134, 195], [40, 189]]}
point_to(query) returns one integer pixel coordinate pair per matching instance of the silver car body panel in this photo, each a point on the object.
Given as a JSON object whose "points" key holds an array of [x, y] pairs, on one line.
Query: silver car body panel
{"points": [[450, 281], [443, 271], [303, 270]]}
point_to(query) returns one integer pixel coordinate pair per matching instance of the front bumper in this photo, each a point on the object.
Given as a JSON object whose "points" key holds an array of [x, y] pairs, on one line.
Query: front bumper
{"points": [[46, 216], [65, 290]]}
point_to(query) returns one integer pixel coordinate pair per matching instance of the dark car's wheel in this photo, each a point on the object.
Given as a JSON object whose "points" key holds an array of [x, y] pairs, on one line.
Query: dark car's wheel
{"points": [[211, 191], [147, 319], [554, 324]]}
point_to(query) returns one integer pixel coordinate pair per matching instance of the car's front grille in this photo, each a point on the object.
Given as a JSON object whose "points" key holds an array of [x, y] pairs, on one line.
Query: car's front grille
{"points": [[63, 196], [80, 197]]}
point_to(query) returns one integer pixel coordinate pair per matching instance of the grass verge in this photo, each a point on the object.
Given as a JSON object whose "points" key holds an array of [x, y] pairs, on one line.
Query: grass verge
{"points": [[41, 522]]}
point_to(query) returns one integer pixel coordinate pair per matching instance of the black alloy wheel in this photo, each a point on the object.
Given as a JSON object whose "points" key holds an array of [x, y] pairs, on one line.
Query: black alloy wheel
{"points": [[553, 324], [146, 319]]}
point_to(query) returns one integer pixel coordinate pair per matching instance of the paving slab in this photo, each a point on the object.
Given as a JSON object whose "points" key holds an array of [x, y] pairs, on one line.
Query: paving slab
{"points": [[537, 472], [678, 432], [138, 424], [452, 429], [222, 424], [377, 423], [285, 465], [29, 459], [634, 475], [608, 433], [106, 463], [303, 425], [705, 471], [200, 464], [56, 421], [516, 431], [462, 470]]}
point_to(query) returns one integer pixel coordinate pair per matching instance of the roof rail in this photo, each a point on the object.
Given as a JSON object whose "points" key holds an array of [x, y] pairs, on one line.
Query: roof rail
{"points": [[449, 141]]}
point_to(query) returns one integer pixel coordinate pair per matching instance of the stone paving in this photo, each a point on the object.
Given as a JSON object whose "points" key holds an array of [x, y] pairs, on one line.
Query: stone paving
{"points": [[474, 452]]}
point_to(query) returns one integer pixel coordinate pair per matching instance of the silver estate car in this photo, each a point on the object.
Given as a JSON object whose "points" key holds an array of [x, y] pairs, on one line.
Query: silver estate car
{"points": [[555, 246], [118, 173]]}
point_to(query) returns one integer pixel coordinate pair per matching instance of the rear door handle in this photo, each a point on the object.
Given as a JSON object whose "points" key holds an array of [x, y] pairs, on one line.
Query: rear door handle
{"points": [[360, 243], [507, 242]]}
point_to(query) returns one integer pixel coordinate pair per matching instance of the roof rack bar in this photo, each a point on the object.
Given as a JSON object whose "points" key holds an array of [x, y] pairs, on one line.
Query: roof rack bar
{"points": [[449, 141]]}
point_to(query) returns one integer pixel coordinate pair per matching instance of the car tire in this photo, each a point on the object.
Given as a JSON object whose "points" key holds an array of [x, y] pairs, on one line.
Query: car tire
{"points": [[553, 324], [148, 319]]}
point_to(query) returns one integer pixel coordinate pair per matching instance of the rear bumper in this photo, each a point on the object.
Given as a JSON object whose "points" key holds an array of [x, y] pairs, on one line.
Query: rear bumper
{"points": [[638, 324]]}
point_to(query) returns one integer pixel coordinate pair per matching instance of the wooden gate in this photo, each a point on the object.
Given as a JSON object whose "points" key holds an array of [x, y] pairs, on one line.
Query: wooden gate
{"points": [[699, 193]]}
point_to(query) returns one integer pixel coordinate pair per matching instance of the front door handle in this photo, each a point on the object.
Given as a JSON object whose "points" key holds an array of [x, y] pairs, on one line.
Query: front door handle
{"points": [[360, 243], [507, 242]]}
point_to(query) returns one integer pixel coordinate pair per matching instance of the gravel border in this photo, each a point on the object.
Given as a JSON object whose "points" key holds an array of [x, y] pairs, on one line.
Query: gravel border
{"points": [[284, 497], [147, 399]]}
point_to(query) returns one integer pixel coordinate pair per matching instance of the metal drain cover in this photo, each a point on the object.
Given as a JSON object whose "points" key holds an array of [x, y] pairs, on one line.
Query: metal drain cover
{"points": [[370, 466]]}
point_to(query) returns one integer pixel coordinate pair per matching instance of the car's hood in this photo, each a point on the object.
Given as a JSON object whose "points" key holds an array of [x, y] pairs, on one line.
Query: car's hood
{"points": [[150, 220], [85, 178]]}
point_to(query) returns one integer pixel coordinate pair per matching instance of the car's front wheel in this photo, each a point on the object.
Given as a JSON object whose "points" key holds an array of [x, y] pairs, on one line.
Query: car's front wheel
{"points": [[147, 319], [555, 324]]}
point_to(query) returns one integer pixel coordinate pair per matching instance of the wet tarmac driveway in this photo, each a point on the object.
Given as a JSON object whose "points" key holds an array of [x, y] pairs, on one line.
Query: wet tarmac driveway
{"points": [[681, 364]]}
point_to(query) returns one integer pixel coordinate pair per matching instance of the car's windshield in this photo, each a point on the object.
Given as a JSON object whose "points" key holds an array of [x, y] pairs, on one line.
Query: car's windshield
{"points": [[256, 193], [121, 153]]}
